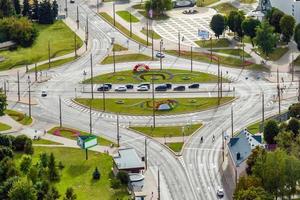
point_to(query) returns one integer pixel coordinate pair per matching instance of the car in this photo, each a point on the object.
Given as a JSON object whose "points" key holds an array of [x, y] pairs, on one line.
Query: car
{"points": [[129, 86], [194, 86], [179, 88], [142, 88], [169, 85], [144, 84], [161, 88], [108, 85], [121, 89], [44, 93], [103, 88], [220, 192], [160, 55], [72, 1]]}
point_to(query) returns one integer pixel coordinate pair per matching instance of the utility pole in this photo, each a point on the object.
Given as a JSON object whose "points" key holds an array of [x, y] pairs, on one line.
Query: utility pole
{"points": [[231, 120], [75, 44], [92, 80], [29, 96], [147, 29], [191, 58], [243, 53], [152, 45], [158, 185], [146, 156], [293, 67], [210, 49], [60, 114], [86, 33], [66, 8], [49, 54], [153, 101], [114, 56], [130, 23], [118, 131], [221, 87], [4, 85], [263, 109], [77, 17], [114, 13], [218, 81], [19, 96], [91, 121], [278, 93], [223, 149], [103, 97], [35, 71], [179, 43], [160, 57], [97, 6]]}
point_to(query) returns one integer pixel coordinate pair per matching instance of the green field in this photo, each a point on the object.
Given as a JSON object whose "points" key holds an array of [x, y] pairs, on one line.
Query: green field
{"points": [[125, 58], [117, 47], [254, 128], [144, 106], [225, 8], [22, 118], [78, 173], [61, 42], [169, 75], [215, 43], [204, 3], [234, 52], [121, 28], [276, 55], [175, 146], [168, 131], [53, 64], [126, 16], [4, 127], [43, 141], [155, 35], [68, 133], [248, 1]]}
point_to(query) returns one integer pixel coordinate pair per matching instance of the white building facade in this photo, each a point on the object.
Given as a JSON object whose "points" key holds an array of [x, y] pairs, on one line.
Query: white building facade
{"points": [[290, 7]]}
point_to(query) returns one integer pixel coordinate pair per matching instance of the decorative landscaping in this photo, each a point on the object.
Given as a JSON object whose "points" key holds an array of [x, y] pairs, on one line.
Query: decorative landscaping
{"points": [[169, 131], [126, 16], [215, 43], [22, 118], [168, 75], [73, 134], [126, 58], [144, 106], [4, 127], [175, 146]]}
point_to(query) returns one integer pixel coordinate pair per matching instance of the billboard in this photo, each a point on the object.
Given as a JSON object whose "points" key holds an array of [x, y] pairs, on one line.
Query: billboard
{"points": [[87, 141], [203, 34]]}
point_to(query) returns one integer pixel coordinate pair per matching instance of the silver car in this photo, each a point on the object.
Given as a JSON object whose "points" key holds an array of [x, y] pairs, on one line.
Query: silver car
{"points": [[121, 89]]}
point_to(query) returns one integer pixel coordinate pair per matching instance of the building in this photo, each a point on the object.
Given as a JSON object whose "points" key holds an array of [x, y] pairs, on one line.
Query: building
{"points": [[239, 149], [289, 7]]}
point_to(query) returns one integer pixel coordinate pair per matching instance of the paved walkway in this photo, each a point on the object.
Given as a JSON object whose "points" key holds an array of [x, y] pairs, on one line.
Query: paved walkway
{"points": [[15, 126]]}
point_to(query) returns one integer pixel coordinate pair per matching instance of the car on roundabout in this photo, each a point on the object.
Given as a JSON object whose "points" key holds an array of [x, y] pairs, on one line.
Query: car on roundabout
{"points": [[121, 89], [160, 55], [103, 88], [142, 88], [179, 88], [129, 86], [144, 84], [194, 86], [161, 88]]}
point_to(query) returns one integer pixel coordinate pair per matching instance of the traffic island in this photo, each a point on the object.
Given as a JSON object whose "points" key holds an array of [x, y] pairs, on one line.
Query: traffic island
{"points": [[22, 118], [4, 127]]}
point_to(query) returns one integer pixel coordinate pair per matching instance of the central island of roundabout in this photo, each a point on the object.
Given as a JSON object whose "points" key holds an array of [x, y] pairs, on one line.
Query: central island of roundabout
{"points": [[155, 103]]}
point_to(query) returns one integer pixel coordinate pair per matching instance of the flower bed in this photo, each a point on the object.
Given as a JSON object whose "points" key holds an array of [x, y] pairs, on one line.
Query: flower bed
{"points": [[58, 131]]}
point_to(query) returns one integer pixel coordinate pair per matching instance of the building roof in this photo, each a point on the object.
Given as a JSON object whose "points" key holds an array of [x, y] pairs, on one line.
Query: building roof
{"points": [[127, 158], [241, 145]]}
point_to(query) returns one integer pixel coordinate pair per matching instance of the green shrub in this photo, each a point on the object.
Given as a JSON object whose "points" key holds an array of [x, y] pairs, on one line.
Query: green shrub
{"points": [[115, 183], [123, 177]]}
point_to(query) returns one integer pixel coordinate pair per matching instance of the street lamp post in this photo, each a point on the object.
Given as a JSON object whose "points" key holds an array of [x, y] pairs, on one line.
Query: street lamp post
{"points": [[77, 17], [146, 159], [179, 43], [153, 101], [160, 57], [92, 78], [114, 13], [60, 114], [232, 119], [66, 7], [118, 131], [130, 23], [191, 58], [49, 54], [86, 33], [29, 96], [113, 50], [152, 45], [263, 109], [97, 6], [147, 29]]}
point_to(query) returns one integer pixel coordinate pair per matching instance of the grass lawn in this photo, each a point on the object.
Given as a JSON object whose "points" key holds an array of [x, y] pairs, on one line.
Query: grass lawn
{"points": [[276, 55], [117, 47], [247, 39], [160, 17], [254, 128], [204, 3], [155, 35], [176, 146], [53, 64], [225, 8], [234, 52], [69, 133], [124, 30], [4, 127], [144, 106], [168, 131], [134, 57], [126, 16], [216, 43], [61, 42], [248, 1], [43, 141], [78, 173], [139, 6], [22, 118], [171, 76]]}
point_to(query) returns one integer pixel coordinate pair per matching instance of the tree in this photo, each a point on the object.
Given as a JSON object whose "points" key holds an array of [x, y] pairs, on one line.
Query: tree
{"points": [[45, 13], [6, 8], [28, 149], [294, 109], [26, 8], [42, 188], [52, 194], [123, 177], [6, 186], [245, 182], [294, 125], [158, 7], [25, 163], [33, 174], [53, 171], [217, 24], [3, 102], [44, 159], [265, 38], [6, 140], [249, 26], [256, 152], [252, 193], [19, 142], [238, 19], [275, 19], [70, 195], [35, 10], [96, 174], [284, 140], [54, 9], [22, 190], [287, 25], [231, 21], [7, 169], [292, 176], [5, 152], [297, 36], [17, 6], [271, 130]]}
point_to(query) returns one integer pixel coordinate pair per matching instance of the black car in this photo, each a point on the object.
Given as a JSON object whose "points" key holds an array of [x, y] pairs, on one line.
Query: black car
{"points": [[194, 86], [161, 88], [129, 86], [179, 88], [109, 85], [103, 88], [169, 85]]}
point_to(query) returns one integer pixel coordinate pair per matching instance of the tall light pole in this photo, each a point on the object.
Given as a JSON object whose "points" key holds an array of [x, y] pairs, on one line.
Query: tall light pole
{"points": [[91, 120], [86, 33], [114, 13], [293, 67], [152, 46], [66, 7], [263, 109], [179, 43], [92, 78], [77, 17], [60, 113], [158, 185], [19, 96], [147, 29], [232, 119], [160, 57], [113, 50], [97, 6], [278, 93], [118, 131], [153, 101], [146, 154], [29, 96], [130, 23], [49, 54], [191, 58]]}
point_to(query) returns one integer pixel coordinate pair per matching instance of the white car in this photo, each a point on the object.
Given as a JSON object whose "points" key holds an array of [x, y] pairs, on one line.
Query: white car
{"points": [[44, 93], [160, 55], [142, 88], [220, 192], [121, 89]]}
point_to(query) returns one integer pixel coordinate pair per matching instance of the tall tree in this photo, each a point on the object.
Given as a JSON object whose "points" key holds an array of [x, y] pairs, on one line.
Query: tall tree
{"points": [[6, 186], [253, 193], [3, 102], [26, 8], [45, 12], [266, 39], [217, 24], [6, 8], [275, 18], [53, 171], [70, 195], [271, 130], [22, 190], [297, 40], [52, 194], [17, 6], [54, 10], [35, 10], [25, 163], [256, 153], [231, 21], [158, 7], [287, 25], [249, 26], [238, 19], [294, 125]]}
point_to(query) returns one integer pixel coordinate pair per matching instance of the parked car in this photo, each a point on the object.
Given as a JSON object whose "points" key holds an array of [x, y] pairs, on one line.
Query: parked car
{"points": [[44, 93], [161, 88], [103, 88], [121, 89], [109, 85], [169, 85], [142, 88], [179, 88], [144, 84], [72, 1], [220, 192], [129, 86], [160, 55], [194, 86]]}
